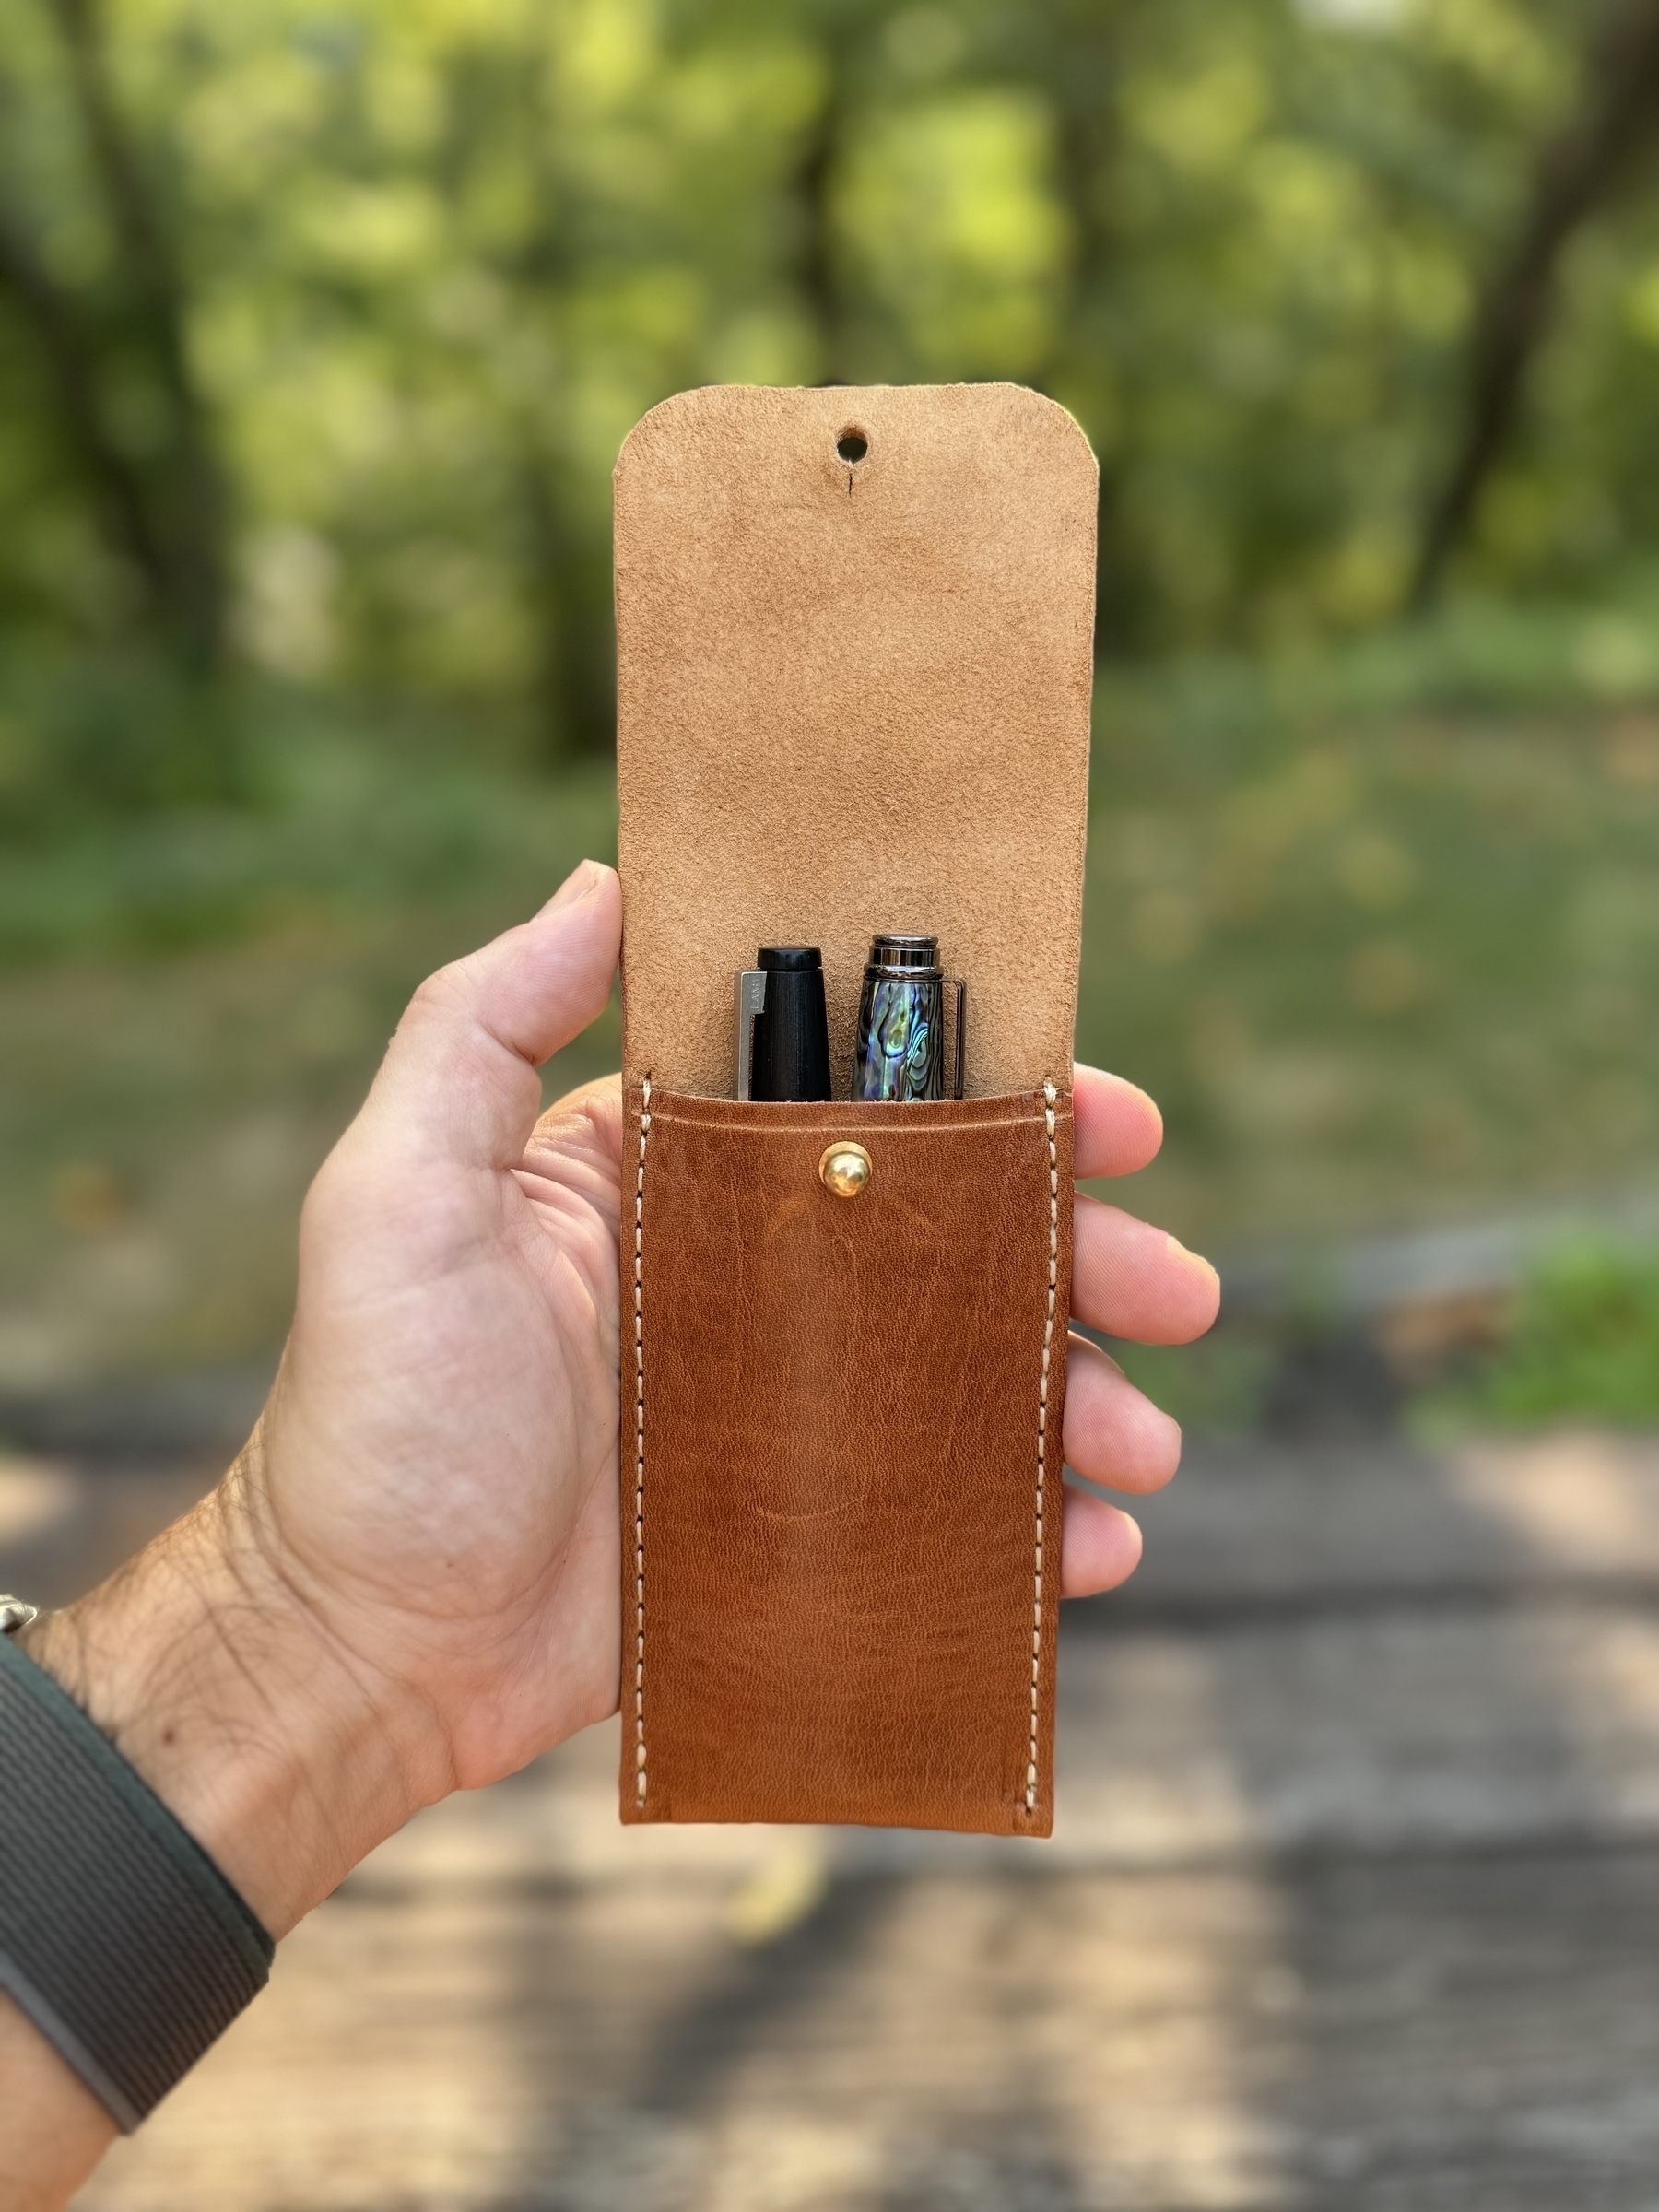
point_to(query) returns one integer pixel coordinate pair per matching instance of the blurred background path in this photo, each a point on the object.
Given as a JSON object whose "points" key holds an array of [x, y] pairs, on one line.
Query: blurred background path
{"points": [[1353, 1902]]}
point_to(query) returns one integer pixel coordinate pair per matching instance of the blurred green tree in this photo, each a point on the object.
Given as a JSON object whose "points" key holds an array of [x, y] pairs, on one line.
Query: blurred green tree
{"points": [[112, 372], [1579, 169], [320, 321]]}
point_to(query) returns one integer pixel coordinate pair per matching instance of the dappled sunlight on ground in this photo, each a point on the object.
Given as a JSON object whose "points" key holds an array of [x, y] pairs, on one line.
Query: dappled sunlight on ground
{"points": [[1351, 1899]]}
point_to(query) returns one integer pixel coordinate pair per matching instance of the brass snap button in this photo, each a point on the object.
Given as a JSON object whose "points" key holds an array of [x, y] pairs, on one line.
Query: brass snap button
{"points": [[846, 1168]]}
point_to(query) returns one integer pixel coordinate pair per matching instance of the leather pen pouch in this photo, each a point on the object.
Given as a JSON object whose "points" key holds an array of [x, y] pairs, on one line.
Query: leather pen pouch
{"points": [[847, 703], [843, 1519]]}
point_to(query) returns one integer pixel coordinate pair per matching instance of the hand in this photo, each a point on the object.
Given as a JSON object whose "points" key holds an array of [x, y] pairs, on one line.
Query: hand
{"points": [[436, 1472], [407, 1584]]}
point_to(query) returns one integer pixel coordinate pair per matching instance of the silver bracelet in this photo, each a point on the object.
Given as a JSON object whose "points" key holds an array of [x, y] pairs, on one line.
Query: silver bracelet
{"points": [[15, 1614]]}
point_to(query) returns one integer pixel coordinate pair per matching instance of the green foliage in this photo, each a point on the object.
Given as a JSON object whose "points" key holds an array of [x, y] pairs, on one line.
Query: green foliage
{"points": [[110, 732], [1371, 911], [433, 261], [1584, 1343], [335, 818], [195, 997], [1378, 927]]}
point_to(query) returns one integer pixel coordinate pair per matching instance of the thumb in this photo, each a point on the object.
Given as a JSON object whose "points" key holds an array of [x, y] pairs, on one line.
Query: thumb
{"points": [[459, 1078]]}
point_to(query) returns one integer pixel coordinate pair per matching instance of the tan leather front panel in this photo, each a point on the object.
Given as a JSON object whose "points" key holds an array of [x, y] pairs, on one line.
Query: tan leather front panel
{"points": [[841, 1462]]}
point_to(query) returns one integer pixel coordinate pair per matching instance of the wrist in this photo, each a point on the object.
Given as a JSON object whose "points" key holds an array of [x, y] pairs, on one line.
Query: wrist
{"points": [[219, 1686]]}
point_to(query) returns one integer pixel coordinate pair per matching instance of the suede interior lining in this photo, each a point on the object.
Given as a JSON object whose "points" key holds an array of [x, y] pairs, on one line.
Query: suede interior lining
{"points": [[853, 696]]}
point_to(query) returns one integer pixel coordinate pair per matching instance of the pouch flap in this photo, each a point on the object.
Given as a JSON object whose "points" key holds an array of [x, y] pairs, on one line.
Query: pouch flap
{"points": [[853, 696]]}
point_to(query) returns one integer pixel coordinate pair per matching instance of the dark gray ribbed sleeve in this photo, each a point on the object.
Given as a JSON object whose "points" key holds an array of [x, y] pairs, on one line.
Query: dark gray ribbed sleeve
{"points": [[119, 1937]]}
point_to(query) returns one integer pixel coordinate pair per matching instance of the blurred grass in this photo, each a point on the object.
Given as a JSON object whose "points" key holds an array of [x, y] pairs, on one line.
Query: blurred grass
{"points": [[194, 999], [1583, 1343], [1215, 1387], [1379, 929]]}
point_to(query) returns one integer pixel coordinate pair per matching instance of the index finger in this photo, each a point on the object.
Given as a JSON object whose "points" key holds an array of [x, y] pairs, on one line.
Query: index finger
{"points": [[1115, 1126]]}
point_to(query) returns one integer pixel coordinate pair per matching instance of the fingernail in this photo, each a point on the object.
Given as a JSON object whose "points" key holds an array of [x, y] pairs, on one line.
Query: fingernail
{"points": [[581, 883], [1193, 1260]]}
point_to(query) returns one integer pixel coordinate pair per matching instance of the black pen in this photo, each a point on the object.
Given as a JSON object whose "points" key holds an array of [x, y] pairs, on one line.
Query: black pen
{"points": [[782, 1026]]}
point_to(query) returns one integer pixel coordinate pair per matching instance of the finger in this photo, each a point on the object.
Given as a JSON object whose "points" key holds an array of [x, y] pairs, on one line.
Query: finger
{"points": [[1131, 1280], [459, 1077], [1116, 1128], [1113, 1433], [1103, 1545]]}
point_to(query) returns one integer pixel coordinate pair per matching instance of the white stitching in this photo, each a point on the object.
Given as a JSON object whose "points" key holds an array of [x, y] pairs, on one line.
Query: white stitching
{"points": [[639, 1449], [1049, 1096]]}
